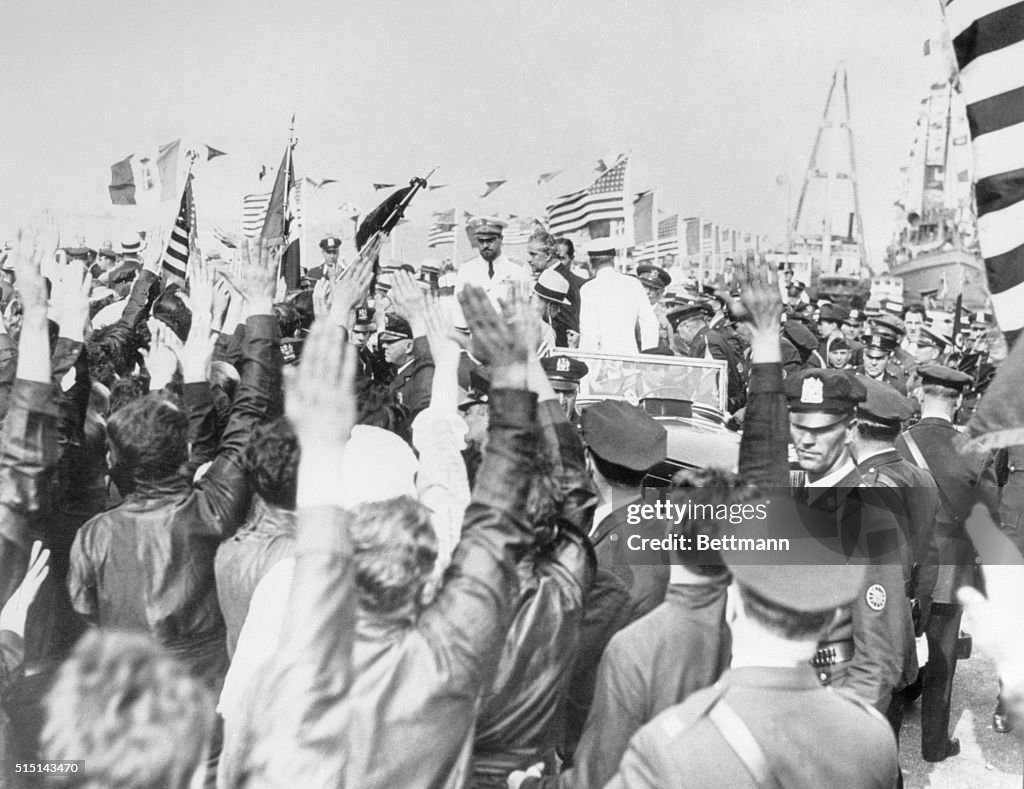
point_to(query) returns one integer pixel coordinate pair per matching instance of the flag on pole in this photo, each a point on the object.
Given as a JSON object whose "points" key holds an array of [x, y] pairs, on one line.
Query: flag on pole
{"points": [[442, 231], [490, 186], [605, 199], [283, 219], [254, 213], [225, 236], [988, 40], [174, 263], [150, 174]]}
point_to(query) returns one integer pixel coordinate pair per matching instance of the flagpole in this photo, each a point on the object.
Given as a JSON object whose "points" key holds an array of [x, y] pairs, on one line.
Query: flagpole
{"points": [[455, 236], [654, 223]]}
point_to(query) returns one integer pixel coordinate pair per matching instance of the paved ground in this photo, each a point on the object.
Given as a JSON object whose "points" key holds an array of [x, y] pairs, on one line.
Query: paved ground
{"points": [[986, 759]]}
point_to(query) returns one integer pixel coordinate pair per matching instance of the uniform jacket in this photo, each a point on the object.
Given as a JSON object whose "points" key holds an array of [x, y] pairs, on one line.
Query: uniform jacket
{"points": [[709, 343], [897, 382], [374, 701], [645, 576], [681, 647], [148, 564], [411, 385], [911, 494], [521, 712], [882, 635], [576, 282], [789, 715], [964, 472], [611, 305]]}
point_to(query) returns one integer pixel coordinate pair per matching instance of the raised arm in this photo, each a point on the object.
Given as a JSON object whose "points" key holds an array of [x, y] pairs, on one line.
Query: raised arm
{"points": [[312, 667], [764, 447], [469, 619]]}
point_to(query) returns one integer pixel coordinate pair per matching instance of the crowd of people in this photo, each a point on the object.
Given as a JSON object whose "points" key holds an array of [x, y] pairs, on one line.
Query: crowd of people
{"points": [[360, 534]]}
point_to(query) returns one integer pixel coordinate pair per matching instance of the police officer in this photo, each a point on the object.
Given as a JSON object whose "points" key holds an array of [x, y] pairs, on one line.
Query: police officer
{"points": [[565, 374], [411, 360], [902, 361], [330, 248], [763, 723], [822, 405], [964, 472], [655, 279], [694, 338], [877, 354], [852, 327], [910, 493], [371, 363]]}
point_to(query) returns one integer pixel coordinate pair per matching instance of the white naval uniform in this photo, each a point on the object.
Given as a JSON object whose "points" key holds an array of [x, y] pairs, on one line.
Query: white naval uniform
{"points": [[506, 273], [611, 305]]}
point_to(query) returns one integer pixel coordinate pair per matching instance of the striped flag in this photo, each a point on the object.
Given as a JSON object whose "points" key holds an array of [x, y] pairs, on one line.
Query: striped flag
{"points": [[988, 40], [605, 199], [254, 213], [443, 229], [518, 231], [174, 264], [224, 236]]}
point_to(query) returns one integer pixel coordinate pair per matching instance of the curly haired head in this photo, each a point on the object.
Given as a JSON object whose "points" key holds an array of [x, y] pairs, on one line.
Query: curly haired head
{"points": [[272, 461], [149, 436], [379, 408], [395, 551], [130, 712]]}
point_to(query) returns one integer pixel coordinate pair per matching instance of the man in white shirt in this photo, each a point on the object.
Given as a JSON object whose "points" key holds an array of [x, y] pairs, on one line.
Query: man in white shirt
{"points": [[489, 270], [612, 305]]}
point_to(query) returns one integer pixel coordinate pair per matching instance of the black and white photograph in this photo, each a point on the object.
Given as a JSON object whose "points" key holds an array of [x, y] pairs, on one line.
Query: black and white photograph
{"points": [[483, 394]]}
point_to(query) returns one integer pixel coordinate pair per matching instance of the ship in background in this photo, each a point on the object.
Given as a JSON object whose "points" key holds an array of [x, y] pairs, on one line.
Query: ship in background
{"points": [[825, 238], [934, 255]]}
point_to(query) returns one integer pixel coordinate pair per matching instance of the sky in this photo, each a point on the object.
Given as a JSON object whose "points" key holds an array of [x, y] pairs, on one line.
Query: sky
{"points": [[712, 100]]}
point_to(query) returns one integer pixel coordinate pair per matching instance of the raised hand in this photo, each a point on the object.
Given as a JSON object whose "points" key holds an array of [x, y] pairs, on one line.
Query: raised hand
{"points": [[350, 289], [155, 246], [445, 345], [165, 350], [261, 260], [15, 610], [69, 300], [761, 307], [198, 349], [494, 341], [321, 298], [28, 258], [201, 278], [407, 298]]}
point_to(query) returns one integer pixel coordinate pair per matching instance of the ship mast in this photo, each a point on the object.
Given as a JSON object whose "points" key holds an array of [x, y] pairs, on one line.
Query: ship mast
{"points": [[835, 123]]}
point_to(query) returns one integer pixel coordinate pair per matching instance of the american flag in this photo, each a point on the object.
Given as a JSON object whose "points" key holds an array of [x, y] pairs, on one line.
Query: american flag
{"points": [[254, 213], [988, 40], [518, 231], [668, 240], [443, 229], [174, 263], [605, 199]]}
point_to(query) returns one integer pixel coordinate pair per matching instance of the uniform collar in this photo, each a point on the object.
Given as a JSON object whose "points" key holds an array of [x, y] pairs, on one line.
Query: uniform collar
{"points": [[834, 477], [801, 677]]}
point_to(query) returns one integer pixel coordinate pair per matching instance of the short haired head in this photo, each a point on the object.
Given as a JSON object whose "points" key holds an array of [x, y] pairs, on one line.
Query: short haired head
{"points": [[395, 551], [149, 437], [131, 713], [170, 309]]}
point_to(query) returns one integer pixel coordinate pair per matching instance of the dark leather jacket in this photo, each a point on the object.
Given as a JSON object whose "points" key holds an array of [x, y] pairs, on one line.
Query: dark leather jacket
{"points": [[148, 563], [522, 713], [381, 702]]}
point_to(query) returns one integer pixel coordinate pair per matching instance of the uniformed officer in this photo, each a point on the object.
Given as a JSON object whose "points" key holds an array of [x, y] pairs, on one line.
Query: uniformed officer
{"points": [[905, 490], [655, 280], [892, 327], [763, 723], [932, 346], [838, 353], [330, 248], [878, 350], [412, 363], [965, 472], [852, 326], [106, 259], [694, 338], [565, 374], [490, 269], [821, 419], [371, 363], [623, 444]]}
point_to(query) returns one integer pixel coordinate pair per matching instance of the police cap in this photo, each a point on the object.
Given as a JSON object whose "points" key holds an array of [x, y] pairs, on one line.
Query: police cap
{"points": [[624, 434], [833, 312], [564, 372], [601, 247], [827, 391], [683, 312], [364, 316], [109, 254], [330, 244], [940, 375], [653, 277], [884, 403], [879, 342], [854, 318], [934, 336], [888, 324], [396, 328], [486, 226]]}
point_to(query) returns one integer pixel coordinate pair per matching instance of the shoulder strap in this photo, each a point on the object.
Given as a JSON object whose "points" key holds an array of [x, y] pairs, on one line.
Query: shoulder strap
{"points": [[919, 460], [738, 736]]}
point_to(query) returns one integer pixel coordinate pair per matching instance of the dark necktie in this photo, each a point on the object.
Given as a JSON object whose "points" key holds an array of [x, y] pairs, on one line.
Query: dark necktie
{"points": [[490, 269]]}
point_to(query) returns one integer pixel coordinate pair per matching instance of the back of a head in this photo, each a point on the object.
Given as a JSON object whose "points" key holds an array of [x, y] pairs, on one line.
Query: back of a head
{"points": [[379, 408], [303, 304], [170, 309], [395, 549], [149, 437], [272, 462], [130, 713], [709, 500], [783, 621]]}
